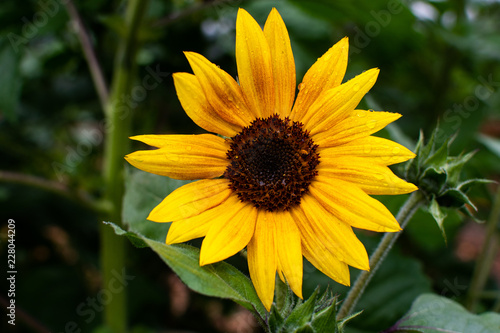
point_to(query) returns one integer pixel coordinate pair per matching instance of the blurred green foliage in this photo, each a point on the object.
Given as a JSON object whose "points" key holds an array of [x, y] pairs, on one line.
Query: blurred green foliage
{"points": [[439, 62]]}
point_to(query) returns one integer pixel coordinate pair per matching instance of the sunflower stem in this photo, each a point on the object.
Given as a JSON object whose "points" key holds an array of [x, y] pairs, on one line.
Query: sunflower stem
{"points": [[118, 122], [405, 214], [487, 256]]}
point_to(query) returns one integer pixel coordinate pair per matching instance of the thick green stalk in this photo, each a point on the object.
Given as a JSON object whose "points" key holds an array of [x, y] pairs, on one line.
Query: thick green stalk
{"points": [[118, 120], [404, 216], [487, 257]]}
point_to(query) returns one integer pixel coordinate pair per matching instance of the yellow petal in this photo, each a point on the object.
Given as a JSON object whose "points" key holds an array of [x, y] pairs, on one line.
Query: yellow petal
{"points": [[359, 125], [351, 205], [192, 227], [318, 253], [377, 150], [191, 199], [337, 236], [197, 107], [221, 91], [182, 156], [282, 61], [338, 103], [326, 73], [230, 231], [255, 71], [262, 258], [198, 225], [288, 246], [370, 177]]}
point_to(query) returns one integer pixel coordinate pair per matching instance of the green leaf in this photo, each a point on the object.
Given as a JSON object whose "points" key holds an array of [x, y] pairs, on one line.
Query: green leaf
{"points": [[219, 279], [438, 216], [10, 80], [143, 192], [136, 240], [432, 313]]}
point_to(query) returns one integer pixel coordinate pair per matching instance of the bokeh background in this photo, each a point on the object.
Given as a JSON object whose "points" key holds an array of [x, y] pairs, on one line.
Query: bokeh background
{"points": [[439, 63]]}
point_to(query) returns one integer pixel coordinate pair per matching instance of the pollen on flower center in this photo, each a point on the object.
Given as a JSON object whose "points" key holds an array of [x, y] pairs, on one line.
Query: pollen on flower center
{"points": [[272, 163]]}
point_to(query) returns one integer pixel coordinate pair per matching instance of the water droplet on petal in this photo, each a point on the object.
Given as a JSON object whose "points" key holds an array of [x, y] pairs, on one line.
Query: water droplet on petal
{"points": [[396, 150], [301, 85], [361, 114], [371, 124], [355, 88]]}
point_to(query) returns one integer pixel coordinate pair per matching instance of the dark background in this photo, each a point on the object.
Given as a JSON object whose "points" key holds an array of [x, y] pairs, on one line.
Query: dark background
{"points": [[439, 63]]}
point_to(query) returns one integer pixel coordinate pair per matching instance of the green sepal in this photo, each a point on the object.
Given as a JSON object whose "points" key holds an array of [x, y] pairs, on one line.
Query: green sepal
{"points": [[433, 180], [342, 323], [276, 320], [325, 319], [466, 185], [284, 301], [438, 216], [301, 314], [425, 150], [454, 198], [438, 177], [439, 157], [455, 164], [284, 298]]}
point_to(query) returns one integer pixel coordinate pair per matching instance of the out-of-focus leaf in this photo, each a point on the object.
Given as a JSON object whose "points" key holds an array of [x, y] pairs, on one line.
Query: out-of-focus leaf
{"points": [[219, 279], [492, 144], [432, 313], [10, 80]]}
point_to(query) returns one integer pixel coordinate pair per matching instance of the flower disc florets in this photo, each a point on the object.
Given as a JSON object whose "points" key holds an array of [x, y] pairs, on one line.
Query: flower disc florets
{"points": [[272, 163]]}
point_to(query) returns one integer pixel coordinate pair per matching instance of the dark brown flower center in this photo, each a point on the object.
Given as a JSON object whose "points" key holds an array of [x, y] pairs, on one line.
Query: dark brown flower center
{"points": [[272, 163]]}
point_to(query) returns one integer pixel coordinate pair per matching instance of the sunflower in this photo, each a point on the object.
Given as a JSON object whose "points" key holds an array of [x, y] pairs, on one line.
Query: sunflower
{"points": [[285, 177]]}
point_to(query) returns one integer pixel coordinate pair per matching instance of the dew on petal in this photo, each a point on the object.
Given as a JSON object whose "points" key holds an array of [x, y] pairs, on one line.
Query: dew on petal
{"points": [[371, 124]]}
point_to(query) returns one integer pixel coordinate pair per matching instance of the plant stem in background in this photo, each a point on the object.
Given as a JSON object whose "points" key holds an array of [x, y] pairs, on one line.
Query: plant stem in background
{"points": [[487, 256], [118, 122], [404, 216], [89, 53]]}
